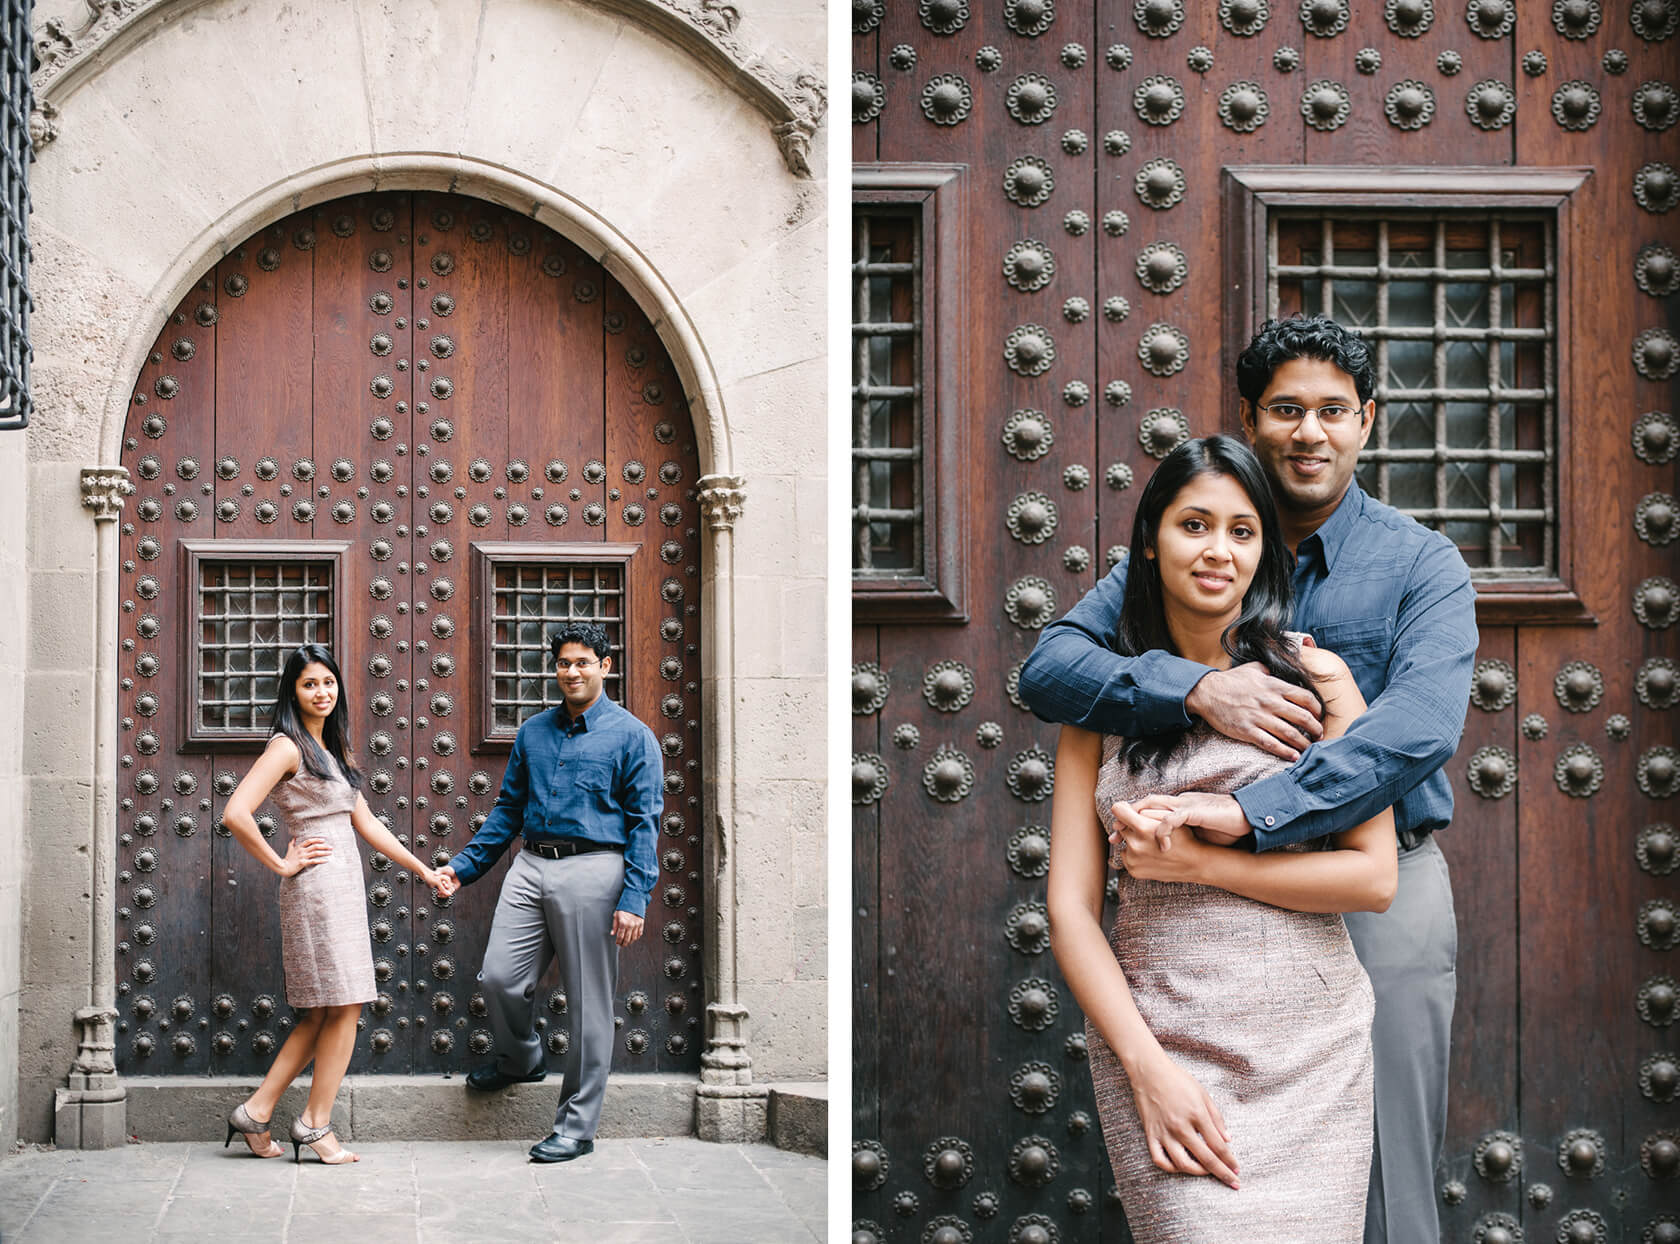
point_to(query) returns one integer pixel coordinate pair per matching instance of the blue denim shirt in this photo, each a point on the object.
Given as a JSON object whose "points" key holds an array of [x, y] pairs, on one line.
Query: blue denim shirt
{"points": [[599, 777], [1387, 595]]}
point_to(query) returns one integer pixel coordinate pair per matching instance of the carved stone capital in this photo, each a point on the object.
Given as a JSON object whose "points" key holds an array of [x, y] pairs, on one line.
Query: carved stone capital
{"points": [[808, 99], [96, 1042], [43, 125], [722, 498], [725, 1060], [794, 138], [103, 490]]}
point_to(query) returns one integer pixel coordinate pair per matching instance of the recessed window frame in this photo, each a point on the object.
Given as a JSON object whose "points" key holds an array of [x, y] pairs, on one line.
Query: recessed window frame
{"points": [[193, 554], [937, 195], [486, 557], [1253, 194]]}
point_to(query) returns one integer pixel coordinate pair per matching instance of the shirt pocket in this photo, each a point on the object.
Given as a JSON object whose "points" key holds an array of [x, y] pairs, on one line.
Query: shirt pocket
{"points": [[1365, 645], [591, 775]]}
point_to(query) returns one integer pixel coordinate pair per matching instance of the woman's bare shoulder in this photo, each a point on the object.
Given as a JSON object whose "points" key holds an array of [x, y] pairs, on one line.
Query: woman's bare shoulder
{"points": [[281, 748]]}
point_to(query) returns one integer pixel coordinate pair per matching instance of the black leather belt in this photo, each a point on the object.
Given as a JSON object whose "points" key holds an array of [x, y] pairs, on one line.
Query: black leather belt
{"points": [[563, 848], [1412, 839]]}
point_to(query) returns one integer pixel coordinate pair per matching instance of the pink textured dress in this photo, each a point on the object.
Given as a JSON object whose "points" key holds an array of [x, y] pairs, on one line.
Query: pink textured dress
{"points": [[1268, 1009], [323, 912]]}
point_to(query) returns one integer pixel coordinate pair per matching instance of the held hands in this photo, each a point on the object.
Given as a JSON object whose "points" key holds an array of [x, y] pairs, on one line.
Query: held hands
{"points": [[1246, 703], [625, 927], [1184, 1128], [442, 881], [302, 854], [1146, 829], [1149, 849]]}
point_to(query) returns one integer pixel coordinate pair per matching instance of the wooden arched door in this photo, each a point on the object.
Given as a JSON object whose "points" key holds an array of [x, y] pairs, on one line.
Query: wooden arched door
{"points": [[419, 428]]}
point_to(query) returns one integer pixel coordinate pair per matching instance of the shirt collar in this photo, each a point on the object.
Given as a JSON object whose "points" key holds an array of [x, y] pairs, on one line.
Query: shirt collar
{"points": [[1330, 538], [591, 718]]}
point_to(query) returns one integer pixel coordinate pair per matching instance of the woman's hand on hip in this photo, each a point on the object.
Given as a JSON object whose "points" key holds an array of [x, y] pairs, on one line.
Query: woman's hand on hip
{"points": [[1185, 1131], [304, 853]]}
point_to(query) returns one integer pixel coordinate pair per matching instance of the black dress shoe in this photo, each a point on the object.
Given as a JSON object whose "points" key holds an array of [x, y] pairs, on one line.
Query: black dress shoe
{"points": [[560, 1148], [489, 1080]]}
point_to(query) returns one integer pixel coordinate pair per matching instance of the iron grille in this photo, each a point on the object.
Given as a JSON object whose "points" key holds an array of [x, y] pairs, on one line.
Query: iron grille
{"points": [[15, 303], [1460, 310], [528, 600], [250, 616], [888, 509]]}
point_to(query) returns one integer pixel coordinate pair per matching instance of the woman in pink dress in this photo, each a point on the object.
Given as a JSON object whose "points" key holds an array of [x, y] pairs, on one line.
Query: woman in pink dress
{"points": [[309, 773], [1226, 1014]]}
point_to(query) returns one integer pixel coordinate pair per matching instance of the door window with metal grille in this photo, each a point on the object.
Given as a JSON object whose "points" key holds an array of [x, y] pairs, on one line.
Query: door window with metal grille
{"points": [[1459, 311], [887, 460], [252, 606], [906, 458], [525, 595]]}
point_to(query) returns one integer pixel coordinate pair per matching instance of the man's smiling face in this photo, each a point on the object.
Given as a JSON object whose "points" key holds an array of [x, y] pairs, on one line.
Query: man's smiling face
{"points": [[1310, 459]]}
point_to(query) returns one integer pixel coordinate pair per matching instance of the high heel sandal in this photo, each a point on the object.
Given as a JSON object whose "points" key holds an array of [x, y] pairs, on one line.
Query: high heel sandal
{"points": [[312, 1136], [240, 1123]]}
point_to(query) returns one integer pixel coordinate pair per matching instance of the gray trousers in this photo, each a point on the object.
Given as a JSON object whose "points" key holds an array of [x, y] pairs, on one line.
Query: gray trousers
{"points": [[1410, 952], [557, 908]]}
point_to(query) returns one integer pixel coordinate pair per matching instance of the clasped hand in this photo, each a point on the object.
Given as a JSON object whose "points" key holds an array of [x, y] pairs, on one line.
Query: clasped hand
{"points": [[1144, 829], [443, 881]]}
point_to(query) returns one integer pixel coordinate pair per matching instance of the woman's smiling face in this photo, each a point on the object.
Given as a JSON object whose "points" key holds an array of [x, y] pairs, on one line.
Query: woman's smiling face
{"points": [[1207, 547], [317, 691]]}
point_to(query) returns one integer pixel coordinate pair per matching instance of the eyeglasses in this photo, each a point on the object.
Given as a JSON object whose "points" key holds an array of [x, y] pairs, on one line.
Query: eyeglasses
{"points": [[1333, 412], [575, 665]]}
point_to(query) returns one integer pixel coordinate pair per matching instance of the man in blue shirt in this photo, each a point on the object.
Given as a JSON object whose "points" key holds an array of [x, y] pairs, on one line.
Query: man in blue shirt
{"points": [[1392, 599], [584, 789]]}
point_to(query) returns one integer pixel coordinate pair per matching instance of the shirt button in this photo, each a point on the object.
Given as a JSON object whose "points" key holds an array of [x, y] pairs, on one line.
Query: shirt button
{"points": [[1271, 820]]}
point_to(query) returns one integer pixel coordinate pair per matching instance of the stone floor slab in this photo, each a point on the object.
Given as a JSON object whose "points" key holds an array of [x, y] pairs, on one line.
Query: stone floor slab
{"points": [[519, 1213], [673, 1191], [80, 1230], [722, 1215], [805, 1192], [20, 1198], [577, 1194], [361, 1228]]}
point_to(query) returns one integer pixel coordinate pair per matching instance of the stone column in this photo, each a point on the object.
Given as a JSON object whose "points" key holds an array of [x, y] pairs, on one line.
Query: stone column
{"points": [[729, 1107], [91, 1111]]}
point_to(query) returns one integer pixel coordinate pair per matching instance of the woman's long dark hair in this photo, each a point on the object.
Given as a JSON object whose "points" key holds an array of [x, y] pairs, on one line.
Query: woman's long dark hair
{"points": [[1257, 634], [287, 720]]}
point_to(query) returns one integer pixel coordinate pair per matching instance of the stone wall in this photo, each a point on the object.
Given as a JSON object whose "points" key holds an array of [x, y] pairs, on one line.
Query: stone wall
{"points": [[57, 872], [14, 799], [197, 123]]}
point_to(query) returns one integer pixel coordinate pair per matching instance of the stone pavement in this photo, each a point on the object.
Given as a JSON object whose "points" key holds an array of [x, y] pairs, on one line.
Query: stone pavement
{"points": [[673, 1191]]}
